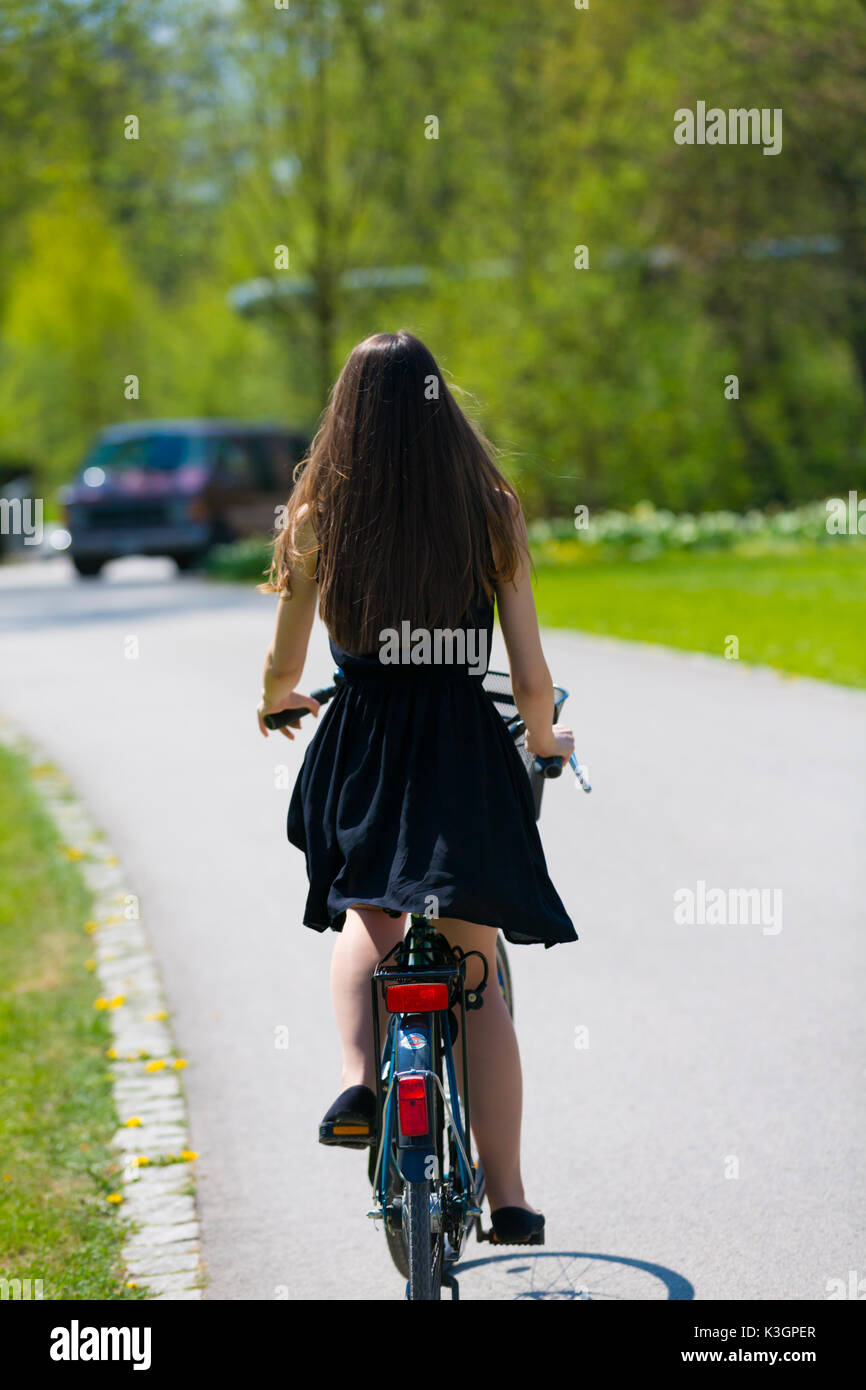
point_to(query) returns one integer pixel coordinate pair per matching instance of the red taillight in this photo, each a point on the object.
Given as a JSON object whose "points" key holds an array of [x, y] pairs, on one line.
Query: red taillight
{"points": [[416, 999], [412, 1105]]}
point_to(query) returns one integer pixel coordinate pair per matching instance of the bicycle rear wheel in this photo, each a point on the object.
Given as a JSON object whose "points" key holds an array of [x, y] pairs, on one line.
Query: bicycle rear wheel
{"points": [[423, 1245]]}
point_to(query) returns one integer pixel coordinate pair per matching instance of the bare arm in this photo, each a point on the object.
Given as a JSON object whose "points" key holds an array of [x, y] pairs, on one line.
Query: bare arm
{"points": [[284, 663], [530, 677]]}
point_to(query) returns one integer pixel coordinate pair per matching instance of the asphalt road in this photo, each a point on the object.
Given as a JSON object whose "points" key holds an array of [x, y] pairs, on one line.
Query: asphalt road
{"points": [[707, 1140]]}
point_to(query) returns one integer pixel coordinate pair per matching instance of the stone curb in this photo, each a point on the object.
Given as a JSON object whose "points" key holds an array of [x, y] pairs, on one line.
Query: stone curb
{"points": [[162, 1253]]}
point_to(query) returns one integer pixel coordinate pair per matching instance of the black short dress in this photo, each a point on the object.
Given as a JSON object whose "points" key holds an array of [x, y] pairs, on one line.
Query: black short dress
{"points": [[412, 797]]}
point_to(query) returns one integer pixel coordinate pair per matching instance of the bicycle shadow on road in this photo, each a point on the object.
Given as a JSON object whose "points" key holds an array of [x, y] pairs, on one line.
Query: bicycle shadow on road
{"points": [[576, 1275]]}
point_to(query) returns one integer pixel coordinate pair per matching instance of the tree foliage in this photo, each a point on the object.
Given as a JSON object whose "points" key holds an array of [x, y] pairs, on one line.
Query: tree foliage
{"points": [[309, 127]]}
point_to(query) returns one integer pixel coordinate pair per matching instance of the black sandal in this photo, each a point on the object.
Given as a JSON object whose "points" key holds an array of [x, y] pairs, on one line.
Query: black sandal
{"points": [[351, 1121], [517, 1226]]}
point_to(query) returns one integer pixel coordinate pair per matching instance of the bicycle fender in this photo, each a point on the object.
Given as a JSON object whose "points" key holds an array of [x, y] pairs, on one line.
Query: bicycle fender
{"points": [[414, 1043], [417, 1165], [416, 1155]]}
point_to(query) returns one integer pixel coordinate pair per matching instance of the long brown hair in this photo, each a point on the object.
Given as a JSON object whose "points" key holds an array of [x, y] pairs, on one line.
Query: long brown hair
{"points": [[401, 493]]}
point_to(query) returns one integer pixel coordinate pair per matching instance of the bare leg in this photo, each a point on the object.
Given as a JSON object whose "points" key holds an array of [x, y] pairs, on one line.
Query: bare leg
{"points": [[367, 935], [496, 1095]]}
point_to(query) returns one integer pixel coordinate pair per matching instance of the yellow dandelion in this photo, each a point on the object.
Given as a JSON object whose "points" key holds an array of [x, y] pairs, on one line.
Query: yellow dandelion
{"points": [[73, 852], [132, 1122], [101, 1003], [188, 1155], [142, 1161], [7, 1177], [90, 965], [131, 1284], [115, 1197], [155, 1065], [91, 927], [116, 1002], [112, 1053], [179, 1062]]}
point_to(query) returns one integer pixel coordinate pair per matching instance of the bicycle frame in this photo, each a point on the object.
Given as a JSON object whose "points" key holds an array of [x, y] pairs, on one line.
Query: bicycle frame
{"points": [[418, 1046]]}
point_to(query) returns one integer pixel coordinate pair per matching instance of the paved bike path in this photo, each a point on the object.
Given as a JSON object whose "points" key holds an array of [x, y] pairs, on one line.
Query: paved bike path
{"points": [[691, 1090]]}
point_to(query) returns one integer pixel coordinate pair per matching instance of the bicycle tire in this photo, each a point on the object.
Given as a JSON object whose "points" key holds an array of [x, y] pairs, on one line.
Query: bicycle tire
{"points": [[425, 1271]]}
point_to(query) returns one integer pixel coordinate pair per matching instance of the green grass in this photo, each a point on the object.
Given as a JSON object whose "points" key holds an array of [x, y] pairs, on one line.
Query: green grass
{"points": [[801, 608], [56, 1109]]}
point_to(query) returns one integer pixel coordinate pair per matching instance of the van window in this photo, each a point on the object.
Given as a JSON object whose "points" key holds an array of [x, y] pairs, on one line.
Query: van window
{"points": [[236, 464], [282, 459], [158, 452]]}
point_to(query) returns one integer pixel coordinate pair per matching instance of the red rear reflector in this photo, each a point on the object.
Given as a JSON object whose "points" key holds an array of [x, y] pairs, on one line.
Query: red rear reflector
{"points": [[412, 1105], [416, 999]]}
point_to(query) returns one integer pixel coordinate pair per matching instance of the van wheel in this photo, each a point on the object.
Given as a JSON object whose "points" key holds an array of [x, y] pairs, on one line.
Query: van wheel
{"points": [[88, 566], [189, 560]]}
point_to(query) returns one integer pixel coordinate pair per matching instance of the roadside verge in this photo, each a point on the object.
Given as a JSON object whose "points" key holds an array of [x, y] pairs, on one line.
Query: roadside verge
{"points": [[153, 1184]]}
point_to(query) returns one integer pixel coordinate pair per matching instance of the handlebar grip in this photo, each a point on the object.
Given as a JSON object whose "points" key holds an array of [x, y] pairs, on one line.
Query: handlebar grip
{"points": [[291, 716], [548, 767]]}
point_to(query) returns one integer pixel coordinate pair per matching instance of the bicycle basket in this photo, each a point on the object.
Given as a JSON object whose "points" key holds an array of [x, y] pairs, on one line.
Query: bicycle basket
{"points": [[498, 687]]}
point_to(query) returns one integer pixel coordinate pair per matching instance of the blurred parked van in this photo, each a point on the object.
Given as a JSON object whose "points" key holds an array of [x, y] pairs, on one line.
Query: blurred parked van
{"points": [[177, 487]]}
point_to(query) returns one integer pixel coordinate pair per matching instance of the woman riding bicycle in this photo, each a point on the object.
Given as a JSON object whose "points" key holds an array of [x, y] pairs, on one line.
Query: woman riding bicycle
{"points": [[411, 796]]}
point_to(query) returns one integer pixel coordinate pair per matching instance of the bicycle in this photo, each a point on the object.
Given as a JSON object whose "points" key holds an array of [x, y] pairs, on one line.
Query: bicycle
{"points": [[427, 1190]]}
